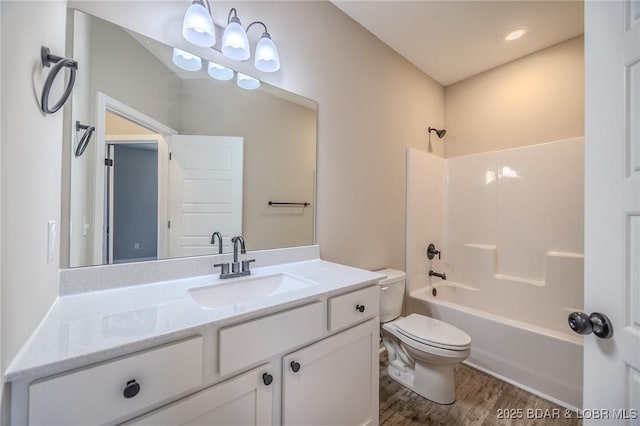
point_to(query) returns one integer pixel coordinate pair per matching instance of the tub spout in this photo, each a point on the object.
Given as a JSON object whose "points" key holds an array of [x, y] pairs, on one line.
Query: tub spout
{"points": [[435, 274]]}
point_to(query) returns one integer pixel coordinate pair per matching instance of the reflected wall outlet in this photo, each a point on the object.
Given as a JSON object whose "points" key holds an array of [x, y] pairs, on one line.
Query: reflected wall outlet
{"points": [[85, 226], [51, 241]]}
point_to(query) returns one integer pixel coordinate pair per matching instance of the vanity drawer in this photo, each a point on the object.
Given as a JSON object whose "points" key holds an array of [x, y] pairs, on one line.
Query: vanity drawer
{"points": [[96, 395], [353, 308], [251, 342]]}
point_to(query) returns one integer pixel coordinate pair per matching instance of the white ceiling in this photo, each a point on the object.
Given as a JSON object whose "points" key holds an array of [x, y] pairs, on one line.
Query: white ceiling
{"points": [[452, 40]]}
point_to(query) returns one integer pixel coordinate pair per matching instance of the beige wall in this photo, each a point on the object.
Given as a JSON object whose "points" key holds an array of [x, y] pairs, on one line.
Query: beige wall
{"points": [[31, 170], [535, 99], [118, 74], [279, 155], [372, 105], [118, 126], [77, 172]]}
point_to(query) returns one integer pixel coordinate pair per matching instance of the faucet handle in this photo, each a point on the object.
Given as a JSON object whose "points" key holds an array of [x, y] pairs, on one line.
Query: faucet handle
{"points": [[224, 268], [431, 251], [245, 265]]}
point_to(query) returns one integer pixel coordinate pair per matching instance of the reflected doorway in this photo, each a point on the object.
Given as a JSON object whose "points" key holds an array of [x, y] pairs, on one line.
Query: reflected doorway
{"points": [[132, 192], [132, 201]]}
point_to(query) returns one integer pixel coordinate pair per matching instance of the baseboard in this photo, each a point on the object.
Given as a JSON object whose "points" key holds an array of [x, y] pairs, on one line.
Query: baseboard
{"points": [[521, 386]]}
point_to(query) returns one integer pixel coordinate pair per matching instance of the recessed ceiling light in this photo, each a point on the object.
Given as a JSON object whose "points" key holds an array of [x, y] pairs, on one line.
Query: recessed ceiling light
{"points": [[516, 33]]}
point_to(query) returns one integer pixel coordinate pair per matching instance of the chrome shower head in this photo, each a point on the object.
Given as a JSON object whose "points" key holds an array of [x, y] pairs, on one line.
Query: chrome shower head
{"points": [[440, 132]]}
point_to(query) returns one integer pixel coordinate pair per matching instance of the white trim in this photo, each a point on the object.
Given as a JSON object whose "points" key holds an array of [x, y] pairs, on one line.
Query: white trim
{"points": [[131, 139], [105, 103], [111, 154]]}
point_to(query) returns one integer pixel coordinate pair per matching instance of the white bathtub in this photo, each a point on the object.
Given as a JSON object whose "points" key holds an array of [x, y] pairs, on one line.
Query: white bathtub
{"points": [[542, 361]]}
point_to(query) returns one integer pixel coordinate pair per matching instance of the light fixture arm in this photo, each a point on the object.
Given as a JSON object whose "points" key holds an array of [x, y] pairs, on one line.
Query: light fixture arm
{"points": [[206, 4], [235, 15], [266, 32]]}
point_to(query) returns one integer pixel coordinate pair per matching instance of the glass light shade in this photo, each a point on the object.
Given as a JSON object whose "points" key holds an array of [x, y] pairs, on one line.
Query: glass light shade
{"points": [[186, 61], [247, 82], [235, 44], [266, 57], [219, 72], [197, 26]]}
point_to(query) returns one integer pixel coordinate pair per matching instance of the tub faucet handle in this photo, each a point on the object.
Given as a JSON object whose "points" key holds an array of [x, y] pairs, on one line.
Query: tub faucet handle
{"points": [[431, 251]]}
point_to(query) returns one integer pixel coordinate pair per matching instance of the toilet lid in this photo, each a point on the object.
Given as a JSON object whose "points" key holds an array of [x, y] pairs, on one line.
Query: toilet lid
{"points": [[433, 332]]}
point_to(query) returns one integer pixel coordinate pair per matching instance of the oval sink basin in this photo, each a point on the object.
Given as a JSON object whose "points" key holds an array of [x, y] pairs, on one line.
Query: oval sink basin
{"points": [[244, 290]]}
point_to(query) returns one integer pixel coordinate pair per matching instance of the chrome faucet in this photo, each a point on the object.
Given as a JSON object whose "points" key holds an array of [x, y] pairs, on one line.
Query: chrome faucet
{"points": [[213, 240], [235, 266], [238, 268], [436, 274]]}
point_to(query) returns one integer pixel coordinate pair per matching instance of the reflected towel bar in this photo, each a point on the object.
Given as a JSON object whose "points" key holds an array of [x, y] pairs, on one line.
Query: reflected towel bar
{"points": [[277, 204]]}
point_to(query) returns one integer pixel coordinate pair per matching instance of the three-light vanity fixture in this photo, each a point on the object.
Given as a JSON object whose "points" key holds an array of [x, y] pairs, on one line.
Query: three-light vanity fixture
{"points": [[199, 29]]}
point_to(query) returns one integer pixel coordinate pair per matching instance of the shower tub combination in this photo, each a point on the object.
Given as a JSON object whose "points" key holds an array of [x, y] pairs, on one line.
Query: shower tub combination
{"points": [[510, 230]]}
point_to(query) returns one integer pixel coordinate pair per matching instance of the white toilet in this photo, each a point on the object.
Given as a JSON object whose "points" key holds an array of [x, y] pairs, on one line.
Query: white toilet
{"points": [[422, 351]]}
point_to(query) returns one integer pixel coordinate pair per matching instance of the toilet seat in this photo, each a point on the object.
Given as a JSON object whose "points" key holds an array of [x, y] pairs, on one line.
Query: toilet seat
{"points": [[433, 332]]}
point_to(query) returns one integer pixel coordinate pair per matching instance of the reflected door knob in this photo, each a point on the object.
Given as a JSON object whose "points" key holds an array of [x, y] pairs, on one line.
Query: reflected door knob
{"points": [[595, 323]]}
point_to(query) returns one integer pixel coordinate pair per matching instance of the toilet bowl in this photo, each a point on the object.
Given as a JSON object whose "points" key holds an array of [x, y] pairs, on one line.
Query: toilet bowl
{"points": [[422, 351]]}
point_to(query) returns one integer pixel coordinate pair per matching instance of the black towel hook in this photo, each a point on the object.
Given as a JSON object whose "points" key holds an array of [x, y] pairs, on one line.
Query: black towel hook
{"points": [[60, 63], [86, 137]]}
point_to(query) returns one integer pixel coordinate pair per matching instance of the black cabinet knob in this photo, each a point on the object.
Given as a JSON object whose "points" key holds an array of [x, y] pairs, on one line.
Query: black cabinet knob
{"points": [[267, 379], [131, 389], [360, 308], [295, 366]]}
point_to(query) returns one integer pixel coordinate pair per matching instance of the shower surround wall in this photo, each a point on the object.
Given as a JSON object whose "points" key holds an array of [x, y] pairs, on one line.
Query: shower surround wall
{"points": [[511, 232]]}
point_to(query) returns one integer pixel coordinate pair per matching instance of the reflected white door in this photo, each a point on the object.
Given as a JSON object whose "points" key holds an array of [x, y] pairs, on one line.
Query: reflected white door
{"points": [[612, 209], [205, 192]]}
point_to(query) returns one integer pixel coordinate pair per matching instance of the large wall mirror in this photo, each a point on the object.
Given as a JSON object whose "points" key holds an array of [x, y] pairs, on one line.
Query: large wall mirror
{"points": [[174, 156]]}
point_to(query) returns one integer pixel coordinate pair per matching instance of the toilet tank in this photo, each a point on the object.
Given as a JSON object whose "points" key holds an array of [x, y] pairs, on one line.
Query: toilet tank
{"points": [[391, 294]]}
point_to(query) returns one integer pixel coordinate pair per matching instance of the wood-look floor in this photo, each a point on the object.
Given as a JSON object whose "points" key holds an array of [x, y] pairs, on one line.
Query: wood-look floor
{"points": [[479, 397]]}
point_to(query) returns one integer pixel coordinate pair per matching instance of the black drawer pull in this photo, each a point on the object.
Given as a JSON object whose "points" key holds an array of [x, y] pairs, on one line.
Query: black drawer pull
{"points": [[267, 379], [131, 389], [360, 308], [295, 366]]}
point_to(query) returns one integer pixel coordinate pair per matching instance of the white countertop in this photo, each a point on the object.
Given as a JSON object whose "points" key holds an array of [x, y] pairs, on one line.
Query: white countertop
{"points": [[85, 328]]}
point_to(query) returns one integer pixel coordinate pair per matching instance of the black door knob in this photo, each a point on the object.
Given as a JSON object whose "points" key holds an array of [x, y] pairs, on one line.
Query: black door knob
{"points": [[131, 389], [595, 323], [360, 308], [295, 366], [579, 323], [267, 379]]}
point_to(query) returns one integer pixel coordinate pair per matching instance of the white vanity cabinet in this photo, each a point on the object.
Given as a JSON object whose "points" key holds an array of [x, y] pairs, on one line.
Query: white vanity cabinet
{"points": [[334, 381], [245, 400], [312, 363]]}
